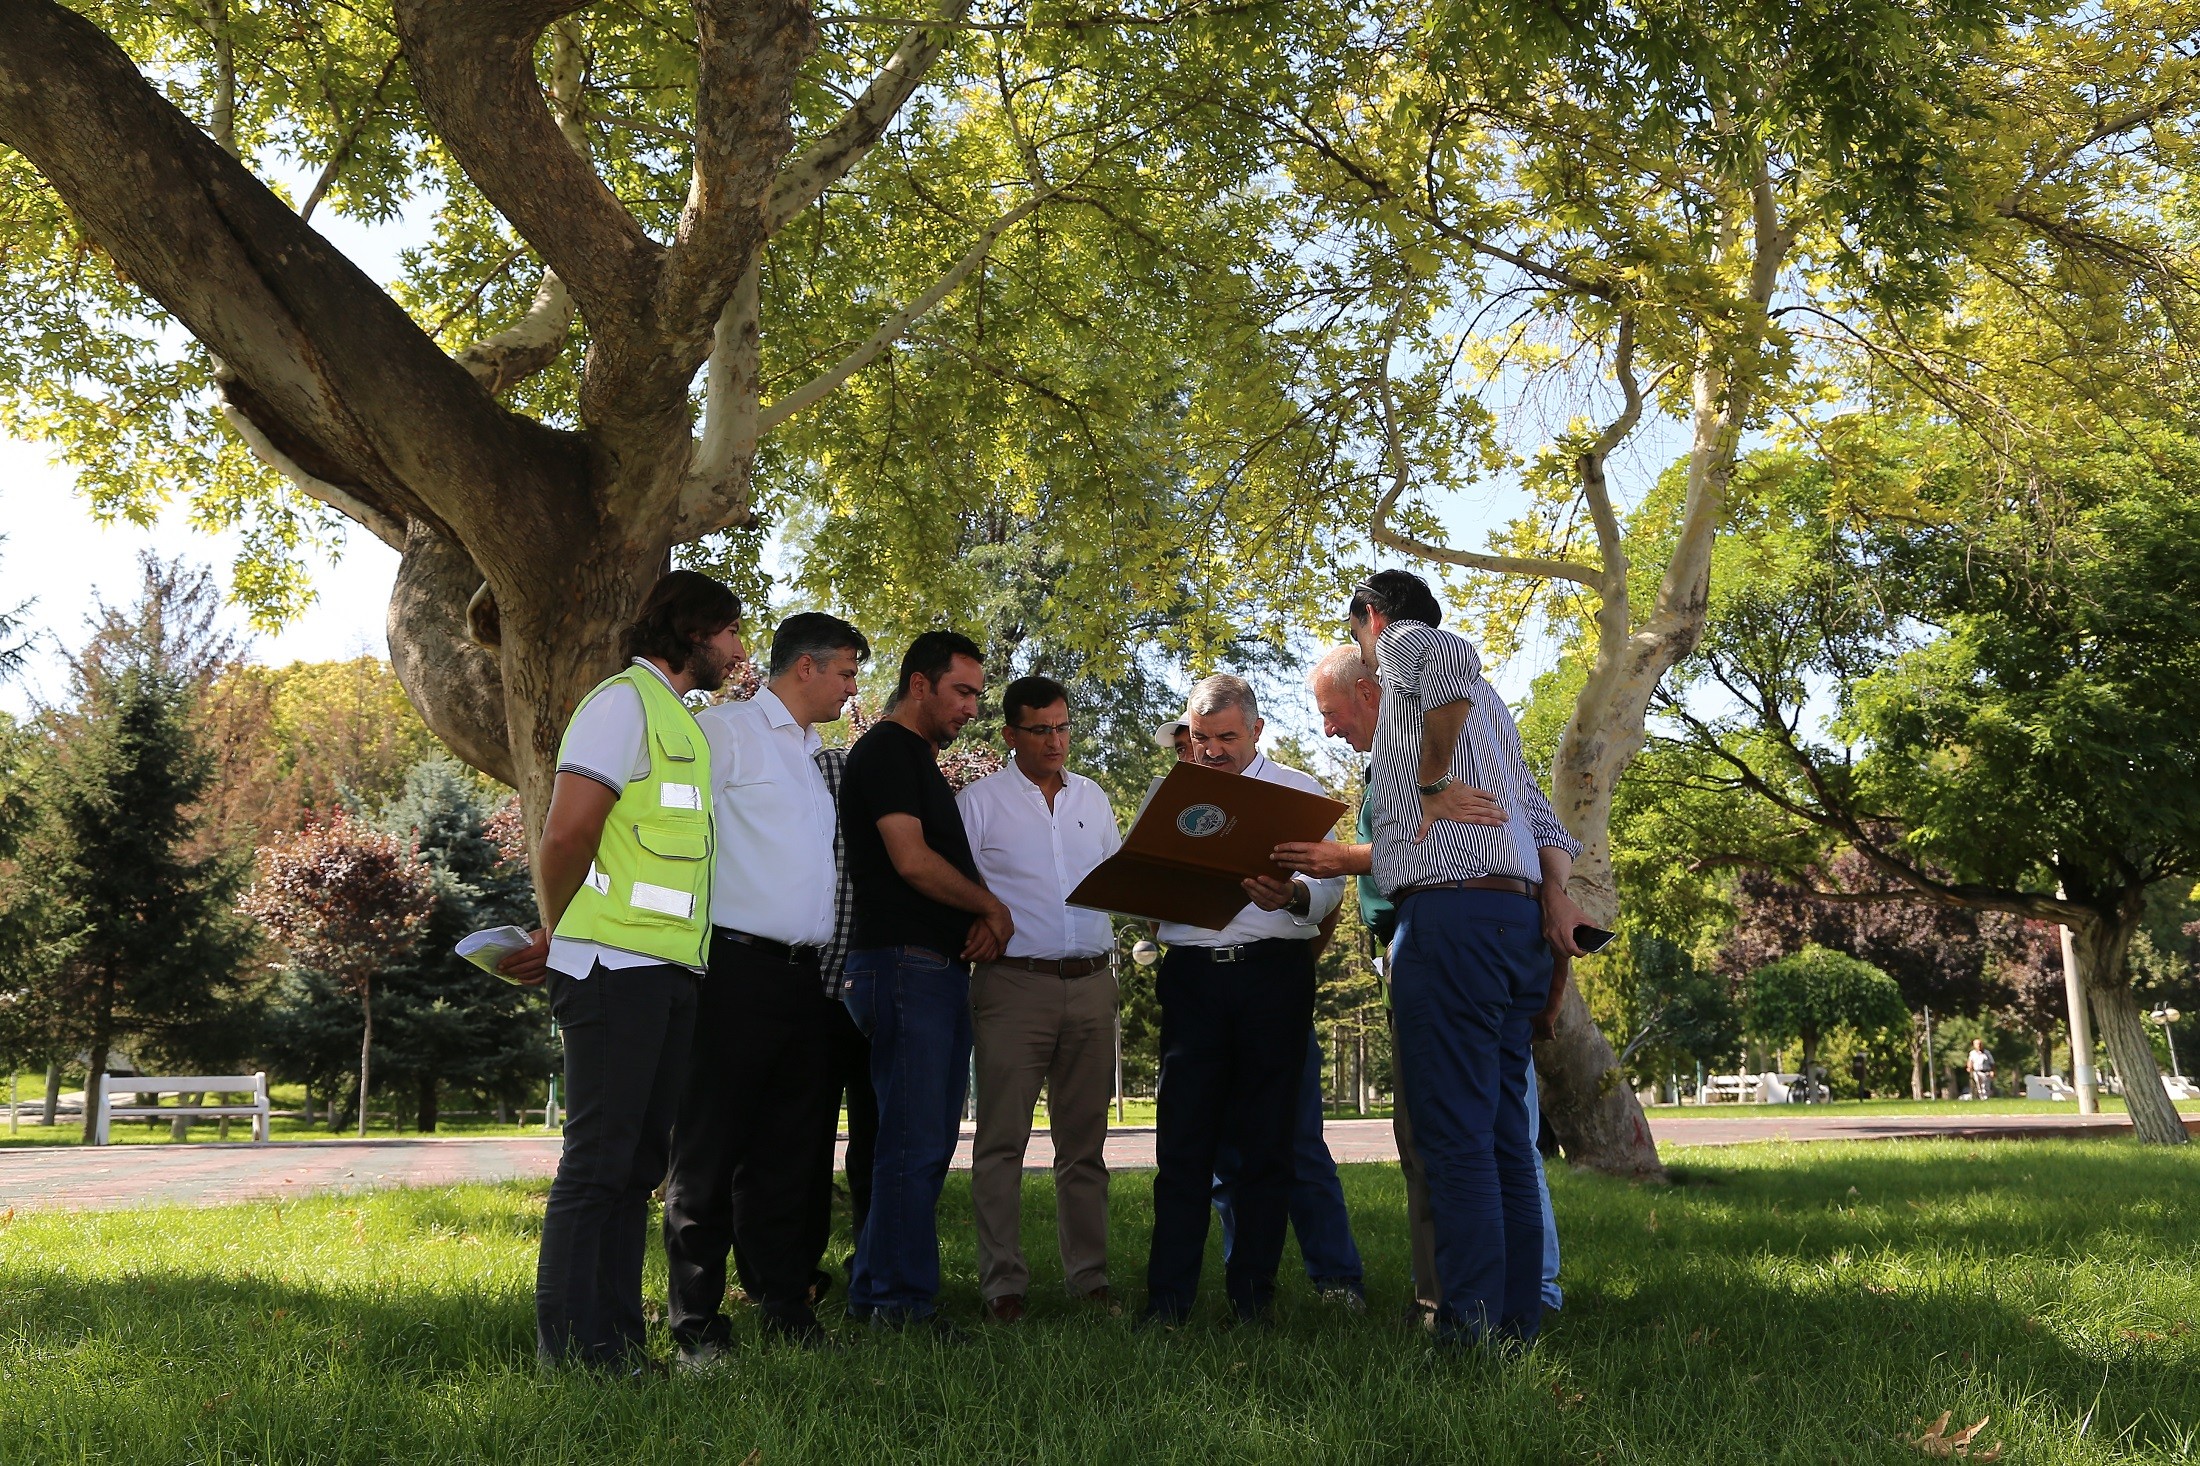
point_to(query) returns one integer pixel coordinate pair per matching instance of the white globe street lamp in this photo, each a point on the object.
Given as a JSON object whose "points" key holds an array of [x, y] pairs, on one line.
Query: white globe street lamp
{"points": [[2166, 1016]]}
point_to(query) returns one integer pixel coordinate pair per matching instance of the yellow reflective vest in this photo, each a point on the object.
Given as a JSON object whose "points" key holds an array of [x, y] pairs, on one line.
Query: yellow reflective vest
{"points": [[648, 890]]}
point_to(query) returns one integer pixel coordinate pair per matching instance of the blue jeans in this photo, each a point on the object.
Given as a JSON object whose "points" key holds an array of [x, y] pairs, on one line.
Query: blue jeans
{"points": [[914, 1005], [1553, 1295], [1318, 1216], [1470, 972]]}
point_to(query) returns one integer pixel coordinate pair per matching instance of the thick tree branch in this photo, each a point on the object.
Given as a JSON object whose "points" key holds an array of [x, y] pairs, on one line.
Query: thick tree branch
{"points": [[827, 158], [383, 525], [318, 358], [503, 361], [473, 64], [748, 54], [718, 481]]}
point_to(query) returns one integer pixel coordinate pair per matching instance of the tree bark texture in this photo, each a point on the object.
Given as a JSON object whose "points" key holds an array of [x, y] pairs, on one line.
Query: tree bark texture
{"points": [[2102, 945], [52, 1110], [544, 538]]}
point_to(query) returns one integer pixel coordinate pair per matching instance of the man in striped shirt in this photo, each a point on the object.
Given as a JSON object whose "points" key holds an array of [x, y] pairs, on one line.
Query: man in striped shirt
{"points": [[1482, 909]]}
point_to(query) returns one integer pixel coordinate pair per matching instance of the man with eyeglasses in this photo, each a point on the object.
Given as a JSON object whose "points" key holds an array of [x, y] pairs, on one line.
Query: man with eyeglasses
{"points": [[1043, 1011]]}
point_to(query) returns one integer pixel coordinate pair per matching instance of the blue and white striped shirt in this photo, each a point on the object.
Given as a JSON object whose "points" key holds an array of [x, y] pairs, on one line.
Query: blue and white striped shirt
{"points": [[1420, 668]]}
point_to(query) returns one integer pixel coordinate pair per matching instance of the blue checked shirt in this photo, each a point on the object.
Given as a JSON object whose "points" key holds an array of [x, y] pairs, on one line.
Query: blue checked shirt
{"points": [[1421, 668]]}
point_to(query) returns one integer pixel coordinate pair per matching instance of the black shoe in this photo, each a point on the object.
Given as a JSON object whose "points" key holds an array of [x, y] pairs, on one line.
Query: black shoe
{"points": [[806, 1334], [1348, 1294], [934, 1326]]}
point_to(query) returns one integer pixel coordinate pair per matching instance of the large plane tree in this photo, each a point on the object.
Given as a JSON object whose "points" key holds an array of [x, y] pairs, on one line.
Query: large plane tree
{"points": [[677, 269]]}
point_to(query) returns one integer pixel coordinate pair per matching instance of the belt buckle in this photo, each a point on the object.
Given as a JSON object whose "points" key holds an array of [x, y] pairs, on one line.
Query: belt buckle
{"points": [[1227, 954]]}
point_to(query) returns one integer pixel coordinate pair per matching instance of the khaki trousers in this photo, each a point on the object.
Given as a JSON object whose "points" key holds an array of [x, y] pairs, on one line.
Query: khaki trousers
{"points": [[1029, 1028]]}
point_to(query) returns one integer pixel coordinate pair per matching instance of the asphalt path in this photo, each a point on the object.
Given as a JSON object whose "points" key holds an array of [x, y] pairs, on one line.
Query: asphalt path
{"points": [[88, 1178]]}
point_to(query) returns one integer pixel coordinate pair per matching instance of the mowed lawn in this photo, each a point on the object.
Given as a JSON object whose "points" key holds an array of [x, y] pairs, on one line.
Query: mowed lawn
{"points": [[1781, 1304]]}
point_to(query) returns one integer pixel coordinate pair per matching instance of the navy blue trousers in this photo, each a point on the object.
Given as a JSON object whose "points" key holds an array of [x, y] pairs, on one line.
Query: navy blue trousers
{"points": [[1318, 1216], [1233, 1048], [1468, 975]]}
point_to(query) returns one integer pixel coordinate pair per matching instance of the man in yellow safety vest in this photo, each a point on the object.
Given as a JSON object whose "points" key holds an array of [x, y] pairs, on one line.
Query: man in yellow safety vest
{"points": [[624, 873]]}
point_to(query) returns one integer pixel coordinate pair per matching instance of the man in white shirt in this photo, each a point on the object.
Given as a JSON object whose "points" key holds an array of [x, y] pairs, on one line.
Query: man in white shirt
{"points": [[1043, 1011], [1236, 1008], [756, 1119]]}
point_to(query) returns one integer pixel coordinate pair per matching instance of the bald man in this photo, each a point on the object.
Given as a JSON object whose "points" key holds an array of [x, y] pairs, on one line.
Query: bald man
{"points": [[1349, 699]]}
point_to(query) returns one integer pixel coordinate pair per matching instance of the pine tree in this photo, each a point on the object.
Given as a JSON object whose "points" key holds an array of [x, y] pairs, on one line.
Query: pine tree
{"points": [[138, 917], [445, 1023]]}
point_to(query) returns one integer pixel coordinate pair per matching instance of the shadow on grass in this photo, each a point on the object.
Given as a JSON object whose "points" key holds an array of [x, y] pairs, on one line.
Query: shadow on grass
{"points": [[1763, 1311]]}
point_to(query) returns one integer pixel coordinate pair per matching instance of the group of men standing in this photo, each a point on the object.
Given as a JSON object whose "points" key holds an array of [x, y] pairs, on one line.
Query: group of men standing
{"points": [[745, 929]]}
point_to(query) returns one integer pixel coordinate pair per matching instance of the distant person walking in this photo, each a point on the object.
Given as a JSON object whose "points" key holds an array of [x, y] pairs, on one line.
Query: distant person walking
{"points": [[1979, 1064]]}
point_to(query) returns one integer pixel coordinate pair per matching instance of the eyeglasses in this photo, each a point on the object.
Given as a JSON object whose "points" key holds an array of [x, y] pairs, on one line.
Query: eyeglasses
{"points": [[1042, 730]]}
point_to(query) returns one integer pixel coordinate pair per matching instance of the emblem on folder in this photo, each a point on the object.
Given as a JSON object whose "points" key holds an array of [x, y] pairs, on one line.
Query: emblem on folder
{"points": [[1201, 819]]}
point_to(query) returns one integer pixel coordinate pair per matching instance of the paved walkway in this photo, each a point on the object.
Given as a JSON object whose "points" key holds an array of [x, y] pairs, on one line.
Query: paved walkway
{"points": [[76, 1178]]}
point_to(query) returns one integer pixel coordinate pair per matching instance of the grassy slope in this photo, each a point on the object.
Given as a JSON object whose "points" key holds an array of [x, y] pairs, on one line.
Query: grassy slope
{"points": [[1786, 1303]]}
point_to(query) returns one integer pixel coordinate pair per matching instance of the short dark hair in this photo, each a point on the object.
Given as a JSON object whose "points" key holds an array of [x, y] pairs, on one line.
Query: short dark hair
{"points": [[1028, 694], [1400, 595], [815, 635], [931, 654], [682, 608]]}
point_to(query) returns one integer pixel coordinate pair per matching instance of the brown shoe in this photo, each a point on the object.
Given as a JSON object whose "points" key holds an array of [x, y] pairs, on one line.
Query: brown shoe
{"points": [[1008, 1308], [1103, 1300]]}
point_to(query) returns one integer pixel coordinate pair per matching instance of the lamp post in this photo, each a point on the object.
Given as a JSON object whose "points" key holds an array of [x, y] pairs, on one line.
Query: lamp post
{"points": [[2166, 1016]]}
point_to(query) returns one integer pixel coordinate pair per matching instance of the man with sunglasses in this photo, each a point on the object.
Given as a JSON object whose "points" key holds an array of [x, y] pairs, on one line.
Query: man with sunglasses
{"points": [[1044, 1010], [1482, 912]]}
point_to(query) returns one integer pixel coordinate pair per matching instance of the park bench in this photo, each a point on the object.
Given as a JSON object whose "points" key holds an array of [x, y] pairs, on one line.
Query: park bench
{"points": [[204, 1084], [1736, 1087]]}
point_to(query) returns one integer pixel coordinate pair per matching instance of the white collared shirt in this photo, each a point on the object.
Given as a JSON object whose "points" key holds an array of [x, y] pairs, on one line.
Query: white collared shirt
{"points": [[1253, 924], [1032, 857], [775, 876]]}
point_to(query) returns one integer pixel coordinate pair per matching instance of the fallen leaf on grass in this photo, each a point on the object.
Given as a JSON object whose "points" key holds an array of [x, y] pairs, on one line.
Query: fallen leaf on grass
{"points": [[1702, 1336], [7, 1216], [1565, 1400], [2142, 1336], [753, 1457], [1936, 1441], [223, 1398], [1652, 1224]]}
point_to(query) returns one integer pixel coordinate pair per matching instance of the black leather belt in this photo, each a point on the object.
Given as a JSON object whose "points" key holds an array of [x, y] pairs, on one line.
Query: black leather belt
{"points": [[1243, 951], [766, 947], [1063, 967], [1515, 884]]}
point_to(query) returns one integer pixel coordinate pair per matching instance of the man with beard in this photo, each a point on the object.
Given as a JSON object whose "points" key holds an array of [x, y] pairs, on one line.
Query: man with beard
{"points": [[922, 916], [625, 870]]}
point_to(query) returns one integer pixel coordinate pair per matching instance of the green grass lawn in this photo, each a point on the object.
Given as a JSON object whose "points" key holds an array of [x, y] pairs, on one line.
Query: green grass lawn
{"points": [[1781, 1304]]}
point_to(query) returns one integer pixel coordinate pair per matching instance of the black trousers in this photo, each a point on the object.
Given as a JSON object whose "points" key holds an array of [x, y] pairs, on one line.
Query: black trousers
{"points": [[851, 1083], [1233, 1049], [626, 1033], [753, 1127]]}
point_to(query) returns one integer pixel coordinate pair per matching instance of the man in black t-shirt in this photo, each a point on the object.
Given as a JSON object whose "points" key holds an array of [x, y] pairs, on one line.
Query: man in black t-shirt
{"points": [[921, 917]]}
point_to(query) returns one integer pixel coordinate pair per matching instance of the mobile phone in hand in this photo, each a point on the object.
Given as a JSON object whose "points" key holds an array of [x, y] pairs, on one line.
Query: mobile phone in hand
{"points": [[1593, 938]]}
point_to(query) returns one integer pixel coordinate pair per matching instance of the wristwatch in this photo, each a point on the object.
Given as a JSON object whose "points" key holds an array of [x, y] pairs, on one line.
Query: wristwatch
{"points": [[1302, 899], [1430, 791]]}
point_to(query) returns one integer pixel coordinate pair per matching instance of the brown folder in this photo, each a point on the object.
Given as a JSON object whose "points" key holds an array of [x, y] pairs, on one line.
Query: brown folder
{"points": [[1199, 834]]}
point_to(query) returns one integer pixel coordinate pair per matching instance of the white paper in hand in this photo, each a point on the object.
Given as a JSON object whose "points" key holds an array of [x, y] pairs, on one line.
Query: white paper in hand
{"points": [[485, 949]]}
